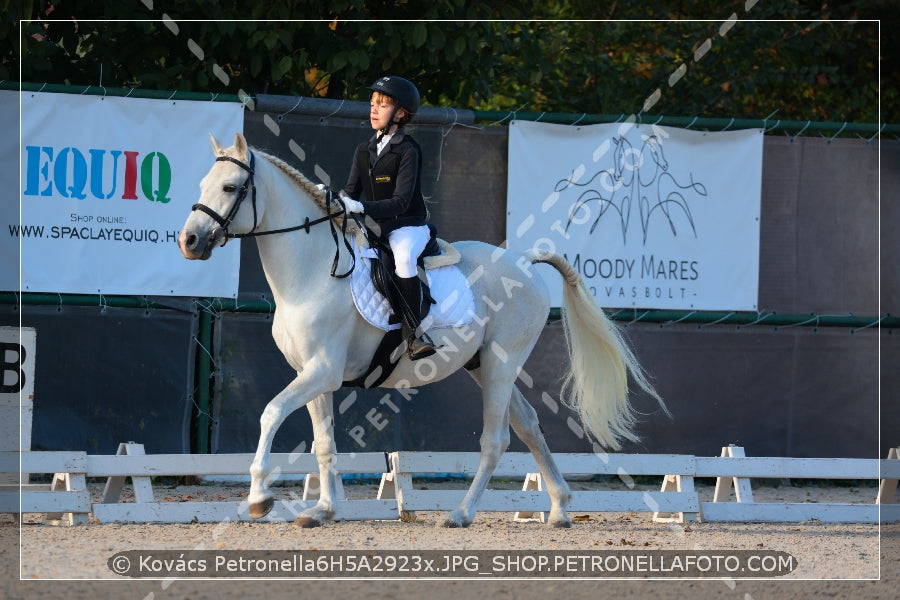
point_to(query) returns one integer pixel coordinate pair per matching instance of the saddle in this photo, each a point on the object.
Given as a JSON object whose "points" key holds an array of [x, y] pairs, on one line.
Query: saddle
{"points": [[384, 277], [438, 259]]}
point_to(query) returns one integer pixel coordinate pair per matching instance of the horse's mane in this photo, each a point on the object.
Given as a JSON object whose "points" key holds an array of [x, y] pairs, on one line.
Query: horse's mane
{"points": [[299, 178]]}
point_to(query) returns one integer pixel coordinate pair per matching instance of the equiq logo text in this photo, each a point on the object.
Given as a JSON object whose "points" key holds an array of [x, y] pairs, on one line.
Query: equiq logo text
{"points": [[73, 175]]}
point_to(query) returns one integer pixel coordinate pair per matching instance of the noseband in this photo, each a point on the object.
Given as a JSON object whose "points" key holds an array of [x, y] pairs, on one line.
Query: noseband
{"points": [[249, 186]]}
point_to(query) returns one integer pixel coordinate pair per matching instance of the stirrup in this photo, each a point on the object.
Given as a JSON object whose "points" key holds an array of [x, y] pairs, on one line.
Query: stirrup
{"points": [[420, 347]]}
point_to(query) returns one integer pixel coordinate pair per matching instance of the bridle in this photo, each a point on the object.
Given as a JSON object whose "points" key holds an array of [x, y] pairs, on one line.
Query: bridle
{"points": [[249, 186]]}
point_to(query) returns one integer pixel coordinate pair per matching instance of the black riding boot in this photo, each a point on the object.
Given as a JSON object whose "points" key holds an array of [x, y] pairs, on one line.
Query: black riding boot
{"points": [[419, 345]]}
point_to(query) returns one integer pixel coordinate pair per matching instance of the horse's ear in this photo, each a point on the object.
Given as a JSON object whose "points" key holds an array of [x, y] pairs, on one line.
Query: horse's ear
{"points": [[216, 146], [240, 144]]}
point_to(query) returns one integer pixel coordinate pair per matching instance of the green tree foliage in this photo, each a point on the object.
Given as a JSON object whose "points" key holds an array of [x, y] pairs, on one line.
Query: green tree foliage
{"points": [[816, 62]]}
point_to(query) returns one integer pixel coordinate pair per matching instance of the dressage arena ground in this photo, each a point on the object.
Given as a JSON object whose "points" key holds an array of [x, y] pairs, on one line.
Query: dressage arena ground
{"points": [[833, 560]]}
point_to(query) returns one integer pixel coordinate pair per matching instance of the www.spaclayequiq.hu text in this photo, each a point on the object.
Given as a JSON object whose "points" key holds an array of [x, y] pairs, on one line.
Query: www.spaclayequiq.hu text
{"points": [[452, 563]]}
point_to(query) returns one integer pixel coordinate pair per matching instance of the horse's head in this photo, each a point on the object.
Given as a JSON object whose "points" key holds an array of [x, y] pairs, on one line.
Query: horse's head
{"points": [[655, 148], [221, 210]]}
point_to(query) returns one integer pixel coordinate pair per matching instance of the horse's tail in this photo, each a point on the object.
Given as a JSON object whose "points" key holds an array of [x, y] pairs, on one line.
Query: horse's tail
{"points": [[600, 360]]}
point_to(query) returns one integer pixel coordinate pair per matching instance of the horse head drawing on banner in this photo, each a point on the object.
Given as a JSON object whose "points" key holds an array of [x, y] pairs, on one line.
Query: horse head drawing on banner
{"points": [[641, 174]]}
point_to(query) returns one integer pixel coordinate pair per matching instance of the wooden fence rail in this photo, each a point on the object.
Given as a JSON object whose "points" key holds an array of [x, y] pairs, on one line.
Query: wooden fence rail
{"points": [[67, 501]]}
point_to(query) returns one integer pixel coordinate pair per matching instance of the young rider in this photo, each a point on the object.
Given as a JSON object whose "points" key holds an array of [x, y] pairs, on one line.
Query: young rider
{"points": [[386, 171]]}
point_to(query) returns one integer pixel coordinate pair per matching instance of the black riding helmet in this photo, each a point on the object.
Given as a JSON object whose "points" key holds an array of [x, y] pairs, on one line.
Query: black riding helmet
{"points": [[401, 90]]}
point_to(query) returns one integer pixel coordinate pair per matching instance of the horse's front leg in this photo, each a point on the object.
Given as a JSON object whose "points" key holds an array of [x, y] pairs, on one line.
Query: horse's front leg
{"points": [[321, 411], [307, 385]]}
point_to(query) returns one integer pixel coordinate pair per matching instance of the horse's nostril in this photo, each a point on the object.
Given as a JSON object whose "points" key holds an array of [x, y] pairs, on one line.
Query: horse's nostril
{"points": [[191, 241]]}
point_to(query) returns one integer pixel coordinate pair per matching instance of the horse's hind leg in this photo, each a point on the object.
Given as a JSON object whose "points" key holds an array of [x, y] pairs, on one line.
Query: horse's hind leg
{"points": [[524, 421], [321, 411], [494, 437]]}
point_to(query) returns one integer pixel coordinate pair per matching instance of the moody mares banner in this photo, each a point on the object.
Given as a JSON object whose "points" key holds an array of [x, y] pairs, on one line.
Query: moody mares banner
{"points": [[106, 185], [651, 217]]}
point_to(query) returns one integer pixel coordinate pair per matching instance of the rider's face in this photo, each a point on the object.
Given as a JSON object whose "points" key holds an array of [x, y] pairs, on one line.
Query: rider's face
{"points": [[380, 109]]}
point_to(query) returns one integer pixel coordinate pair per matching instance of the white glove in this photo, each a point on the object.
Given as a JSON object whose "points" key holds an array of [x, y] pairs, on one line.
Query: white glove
{"points": [[353, 206]]}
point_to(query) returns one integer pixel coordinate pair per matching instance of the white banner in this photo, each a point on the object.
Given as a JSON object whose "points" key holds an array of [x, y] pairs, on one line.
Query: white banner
{"points": [[9, 181], [106, 185], [651, 217]]}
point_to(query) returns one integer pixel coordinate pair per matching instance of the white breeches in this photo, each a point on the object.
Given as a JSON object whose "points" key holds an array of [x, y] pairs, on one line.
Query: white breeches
{"points": [[407, 243]]}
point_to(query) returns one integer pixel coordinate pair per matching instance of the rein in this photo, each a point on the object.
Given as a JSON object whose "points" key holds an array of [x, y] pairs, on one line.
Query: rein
{"points": [[249, 186]]}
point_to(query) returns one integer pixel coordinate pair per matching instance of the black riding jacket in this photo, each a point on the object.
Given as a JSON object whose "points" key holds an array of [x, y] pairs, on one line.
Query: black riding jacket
{"points": [[390, 182]]}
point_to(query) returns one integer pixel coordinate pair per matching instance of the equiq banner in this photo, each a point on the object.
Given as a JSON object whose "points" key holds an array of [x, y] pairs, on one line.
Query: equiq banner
{"points": [[651, 217], [106, 185]]}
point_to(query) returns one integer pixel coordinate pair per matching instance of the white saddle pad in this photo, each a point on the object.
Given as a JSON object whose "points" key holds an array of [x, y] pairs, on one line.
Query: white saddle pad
{"points": [[455, 303]]}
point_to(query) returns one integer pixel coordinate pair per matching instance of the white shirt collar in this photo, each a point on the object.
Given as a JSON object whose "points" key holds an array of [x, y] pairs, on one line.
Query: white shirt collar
{"points": [[384, 142]]}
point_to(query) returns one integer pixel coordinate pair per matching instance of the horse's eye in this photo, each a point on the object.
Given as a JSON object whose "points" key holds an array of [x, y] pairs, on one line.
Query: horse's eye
{"points": [[228, 189]]}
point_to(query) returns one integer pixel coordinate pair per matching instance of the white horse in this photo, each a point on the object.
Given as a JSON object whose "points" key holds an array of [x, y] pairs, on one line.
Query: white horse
{"points": [[326, 341]]}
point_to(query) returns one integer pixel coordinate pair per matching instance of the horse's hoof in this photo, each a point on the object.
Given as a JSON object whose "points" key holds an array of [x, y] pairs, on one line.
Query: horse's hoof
{"points": [[561, 523], [455, 520], [260, 509], [307, 522], [449, 524]]}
